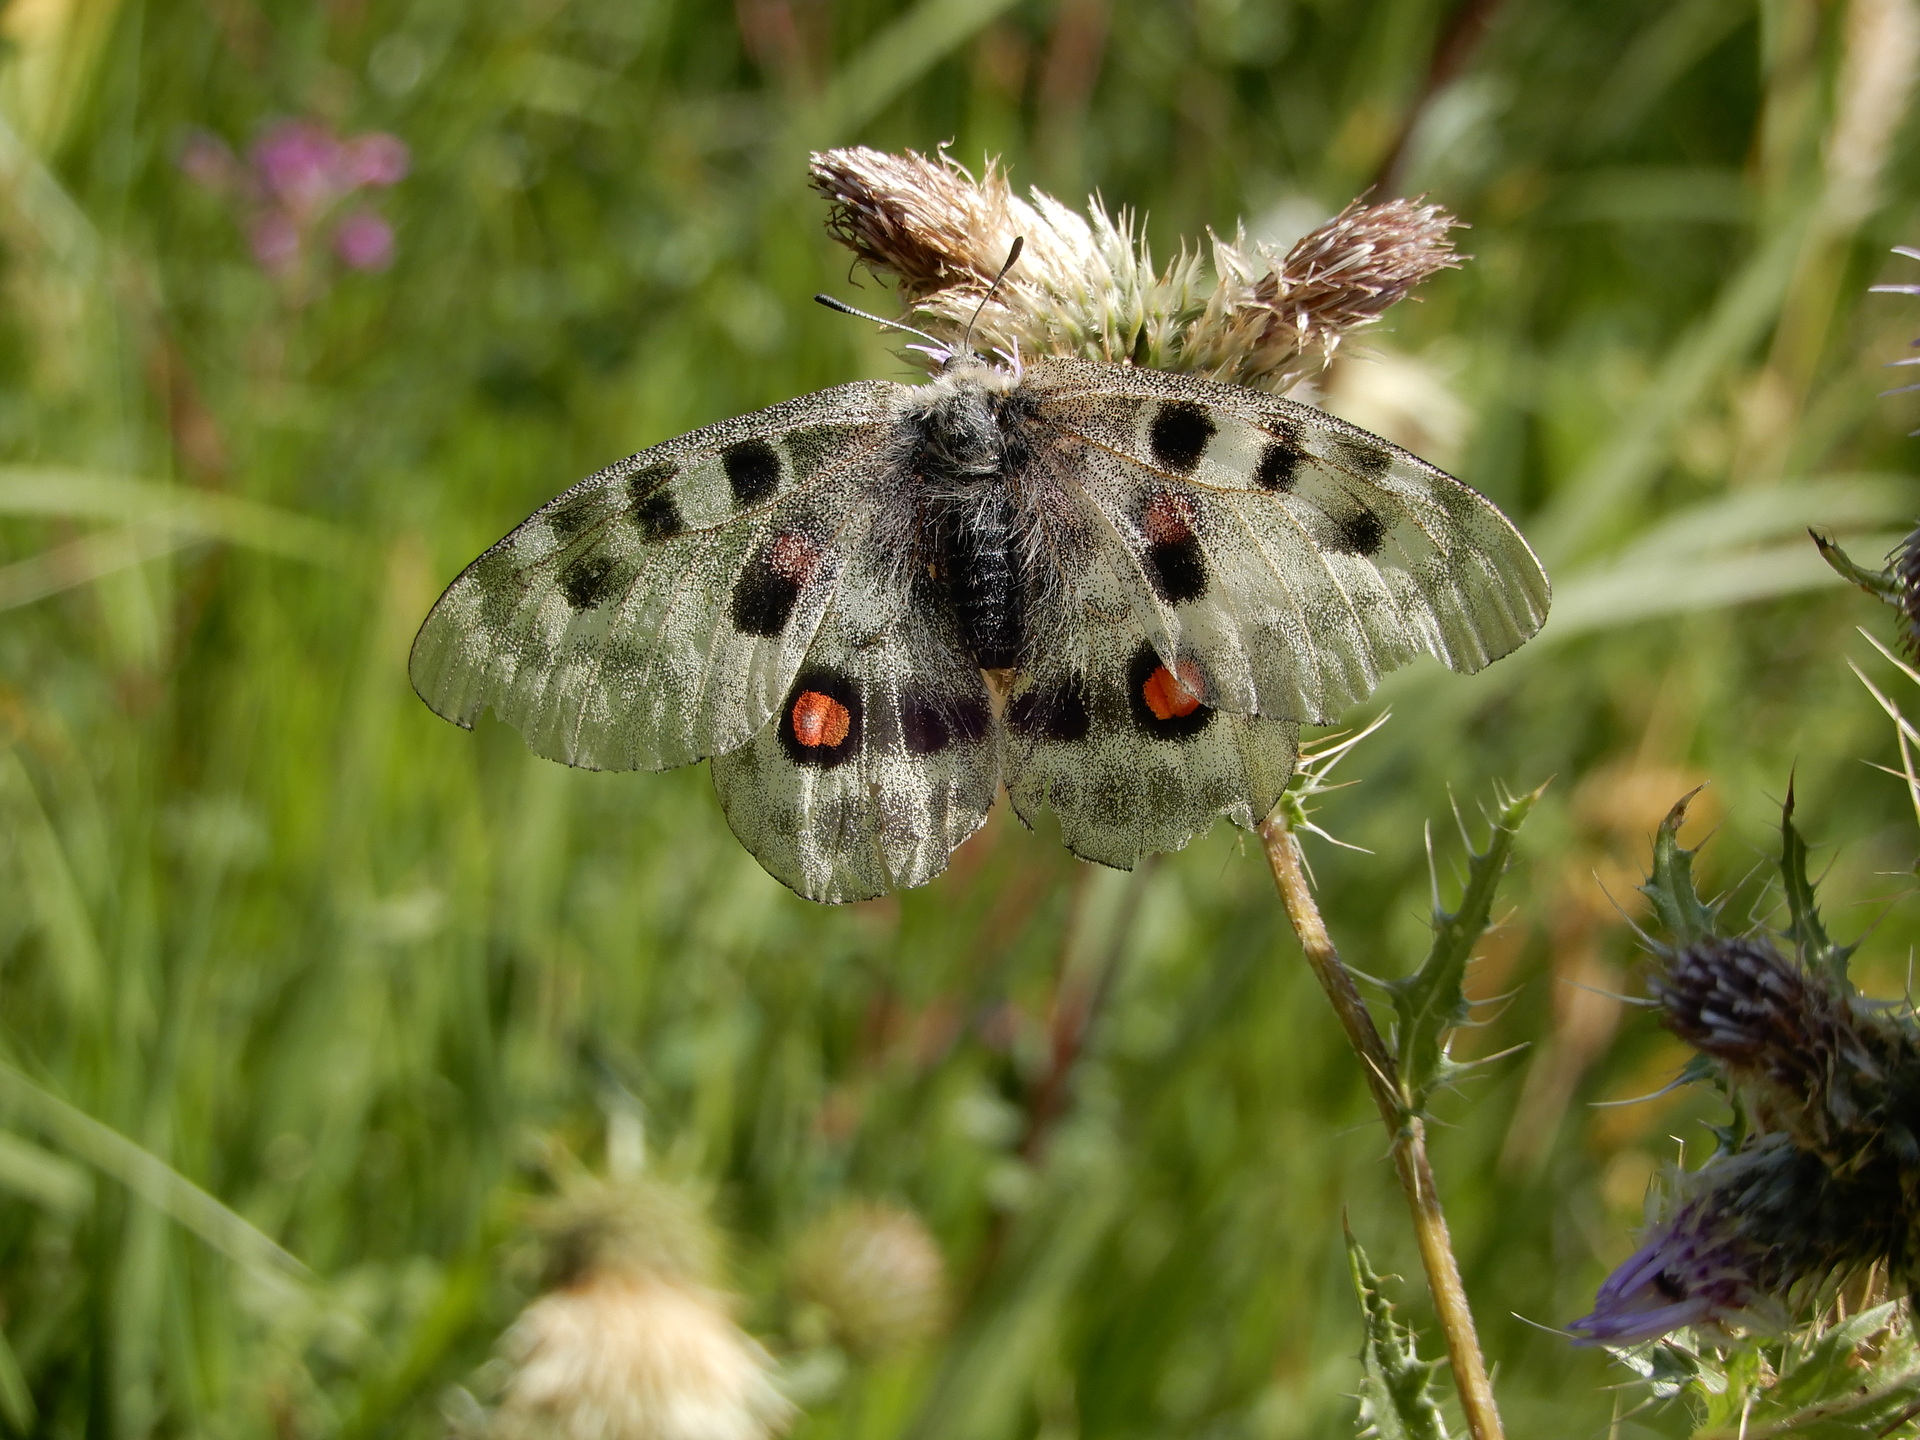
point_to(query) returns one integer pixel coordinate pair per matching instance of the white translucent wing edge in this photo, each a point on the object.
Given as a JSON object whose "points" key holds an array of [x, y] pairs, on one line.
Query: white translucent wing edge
{"points": [[453, 661]]}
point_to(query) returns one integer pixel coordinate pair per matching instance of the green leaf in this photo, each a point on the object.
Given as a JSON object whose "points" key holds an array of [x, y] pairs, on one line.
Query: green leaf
{"points": [[1682, 914], [1432, 1001], [1817, 950], [1396, 1388], [1881, 584], [16, 1399], [1859, 1377]]}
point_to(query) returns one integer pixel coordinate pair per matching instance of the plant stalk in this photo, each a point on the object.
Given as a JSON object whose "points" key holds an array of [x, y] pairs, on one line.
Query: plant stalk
{"points": [[1409, 1130]]}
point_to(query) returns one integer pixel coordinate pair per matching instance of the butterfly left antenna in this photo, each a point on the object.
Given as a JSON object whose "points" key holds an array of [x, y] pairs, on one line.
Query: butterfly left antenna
{"points": [[845, 309]]}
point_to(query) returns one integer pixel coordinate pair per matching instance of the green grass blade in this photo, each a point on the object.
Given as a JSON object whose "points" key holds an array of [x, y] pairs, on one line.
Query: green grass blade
{"points": [[145, 1174]]}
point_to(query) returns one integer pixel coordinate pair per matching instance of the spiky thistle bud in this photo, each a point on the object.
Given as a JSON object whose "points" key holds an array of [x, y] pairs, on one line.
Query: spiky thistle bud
{"points": [[876, 1276], [1809, 1057], [1087, 285], [1749, 1232], [632, 1341]]}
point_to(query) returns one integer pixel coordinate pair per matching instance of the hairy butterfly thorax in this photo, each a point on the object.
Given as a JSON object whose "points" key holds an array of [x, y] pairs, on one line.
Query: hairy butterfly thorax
{"points": [[1114, 590]]}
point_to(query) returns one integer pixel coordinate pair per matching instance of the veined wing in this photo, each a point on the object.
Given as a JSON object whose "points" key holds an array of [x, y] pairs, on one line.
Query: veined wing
{"points": [[1294, 557], [657, 612]]}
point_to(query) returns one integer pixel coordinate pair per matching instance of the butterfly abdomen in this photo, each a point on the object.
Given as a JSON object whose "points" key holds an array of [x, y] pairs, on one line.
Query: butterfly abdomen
{"points": [[979, 562]]}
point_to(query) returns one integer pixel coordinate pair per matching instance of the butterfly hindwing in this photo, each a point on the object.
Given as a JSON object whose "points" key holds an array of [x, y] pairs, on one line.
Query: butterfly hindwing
{"points": [[883, 757], [1297, 557], [656, 613], [1121, 744]]}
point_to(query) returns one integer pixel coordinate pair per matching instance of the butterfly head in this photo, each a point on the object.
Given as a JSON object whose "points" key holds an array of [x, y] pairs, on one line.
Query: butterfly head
{"points": [[948, 359]]}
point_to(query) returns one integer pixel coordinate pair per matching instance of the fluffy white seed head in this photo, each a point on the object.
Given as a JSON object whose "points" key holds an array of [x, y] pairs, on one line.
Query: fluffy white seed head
{"points": [[876, 1275], [635, 1357], [633, 1339]]}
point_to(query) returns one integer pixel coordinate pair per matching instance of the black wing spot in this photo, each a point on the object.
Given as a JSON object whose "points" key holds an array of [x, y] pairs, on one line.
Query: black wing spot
{"points": [[658, 517], [570, 517], [1178, 569], [923, 726], [763, 598], [753, 470], [1140, 704], [1367, 461], [1057, 713], [930, 726], [654, 508], [643, 483], [588, 581], [1361, 533], [820, 725], [1179, 435], [1278, 462]]}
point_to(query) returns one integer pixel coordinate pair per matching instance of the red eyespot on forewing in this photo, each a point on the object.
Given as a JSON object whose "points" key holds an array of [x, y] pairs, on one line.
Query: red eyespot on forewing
{"points": [[794, 557], [1170, 696], [820, 721], [1168, 519]]}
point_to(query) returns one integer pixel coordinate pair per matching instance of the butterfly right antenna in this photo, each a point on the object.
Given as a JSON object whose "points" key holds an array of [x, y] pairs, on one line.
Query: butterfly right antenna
{"points": [[1019, 244]]}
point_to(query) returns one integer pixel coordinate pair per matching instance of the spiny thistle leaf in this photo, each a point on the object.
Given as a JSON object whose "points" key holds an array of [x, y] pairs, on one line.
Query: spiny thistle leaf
{"points": [[1432, 1001], [1817, 950], [1859, 1377], [1396, 1388], [1682, 913], [1883, 585]]}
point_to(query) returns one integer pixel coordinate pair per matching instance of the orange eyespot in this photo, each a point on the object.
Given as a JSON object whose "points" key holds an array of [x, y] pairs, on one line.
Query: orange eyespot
{"points": [[794, 557], [820, 721], [1168, 519], [1171, 698]]}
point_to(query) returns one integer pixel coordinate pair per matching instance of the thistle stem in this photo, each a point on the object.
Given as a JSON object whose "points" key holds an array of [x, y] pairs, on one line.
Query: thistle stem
{"points": [[1408, 1129]]}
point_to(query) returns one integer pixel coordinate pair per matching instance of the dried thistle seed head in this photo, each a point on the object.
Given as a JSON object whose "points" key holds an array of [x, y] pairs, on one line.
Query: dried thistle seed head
{"points": [[876, 1274], [1811, 1060], [631, 1228], [1086, 286], [632, 1341], [1752, 1232], [927, 222], [634, 1357]]}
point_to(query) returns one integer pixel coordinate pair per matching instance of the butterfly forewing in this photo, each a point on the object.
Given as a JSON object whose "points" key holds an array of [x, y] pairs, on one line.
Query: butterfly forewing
{"points": [[657, 613], [884, 754], [1297, 558]]}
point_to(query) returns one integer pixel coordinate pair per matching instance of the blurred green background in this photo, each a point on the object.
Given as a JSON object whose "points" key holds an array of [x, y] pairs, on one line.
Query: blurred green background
{"points": [[269, 927]]}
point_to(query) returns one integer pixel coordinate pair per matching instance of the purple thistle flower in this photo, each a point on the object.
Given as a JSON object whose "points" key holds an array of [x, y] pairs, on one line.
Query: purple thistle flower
{"points": [[1759, 1226], [1808, 1059], [364, 241], [1830, 1177], [299, 164], [376, 158], [298, 174]]}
